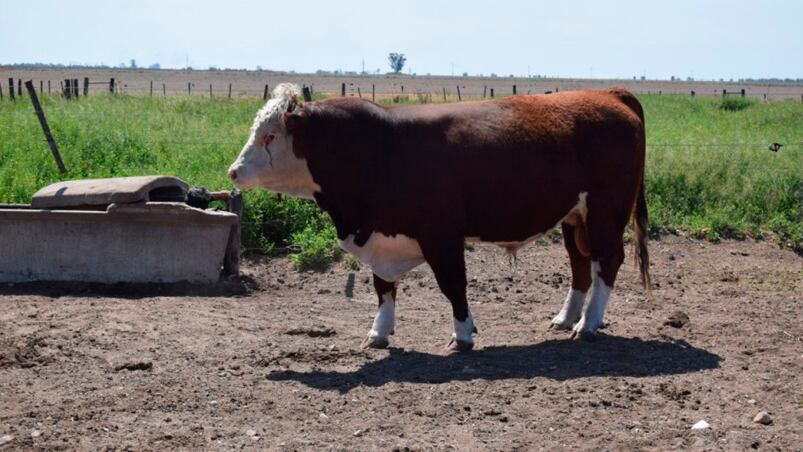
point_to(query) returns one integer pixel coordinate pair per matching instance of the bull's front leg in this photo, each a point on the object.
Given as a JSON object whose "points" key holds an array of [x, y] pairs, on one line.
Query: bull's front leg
{"points": [[445, 255], [385, 319]]}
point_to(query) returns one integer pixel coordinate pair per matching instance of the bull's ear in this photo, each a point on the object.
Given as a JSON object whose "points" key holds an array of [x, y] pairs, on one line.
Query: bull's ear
{"points": [[294, 121]]}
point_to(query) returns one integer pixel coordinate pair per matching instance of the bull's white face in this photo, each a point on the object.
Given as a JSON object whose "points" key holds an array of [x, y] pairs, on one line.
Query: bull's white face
{"points": [[267, 160]]}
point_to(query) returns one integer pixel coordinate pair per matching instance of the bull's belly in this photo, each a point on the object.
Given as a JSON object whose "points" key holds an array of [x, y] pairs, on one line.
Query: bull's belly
{"points": [[390, 257]]}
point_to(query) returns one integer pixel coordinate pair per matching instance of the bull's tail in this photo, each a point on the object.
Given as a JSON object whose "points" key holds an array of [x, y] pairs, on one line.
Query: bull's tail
{"points": [[640, 230]]}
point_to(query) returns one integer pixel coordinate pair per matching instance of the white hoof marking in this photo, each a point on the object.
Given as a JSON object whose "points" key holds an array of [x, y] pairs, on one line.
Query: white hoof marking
{"points": [[571, 311]]}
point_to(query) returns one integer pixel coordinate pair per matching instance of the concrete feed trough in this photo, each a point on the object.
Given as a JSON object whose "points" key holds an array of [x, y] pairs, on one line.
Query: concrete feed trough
{"points": [[132, 229]]}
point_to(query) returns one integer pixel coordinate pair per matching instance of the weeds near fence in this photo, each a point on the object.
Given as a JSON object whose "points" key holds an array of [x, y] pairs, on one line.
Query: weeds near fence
{"points": [[735, 103], [709, 172]]}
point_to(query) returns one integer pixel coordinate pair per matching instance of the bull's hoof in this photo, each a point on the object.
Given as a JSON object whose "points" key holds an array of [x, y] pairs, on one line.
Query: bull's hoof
{"points": [[458, 346], [560, 326], [586, 336], [375, 342]]}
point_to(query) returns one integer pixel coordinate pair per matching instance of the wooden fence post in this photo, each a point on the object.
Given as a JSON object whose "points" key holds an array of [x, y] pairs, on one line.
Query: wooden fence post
{"points": [[229, 90], [265, 93], [111, 85], [692, 93], [305, 91], [492, 93], [11, 89], [724, 92], [484, 91], [231, 263], [373, 93], [1, 90], [343, 89], [67, 90], [459, 97], [45, 129], [189, 88], [61, 85], [164, 90], [75, 87], [151, 90], [514, 90], [210, 90], [19, 87], [41, 88], [48, 87], [86, 86], [743, 92], [359, 93], [444, 94]]}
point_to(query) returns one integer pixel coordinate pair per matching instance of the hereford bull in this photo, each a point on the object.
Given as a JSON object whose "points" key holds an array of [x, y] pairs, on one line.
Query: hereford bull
{"points": [[410, 184]]}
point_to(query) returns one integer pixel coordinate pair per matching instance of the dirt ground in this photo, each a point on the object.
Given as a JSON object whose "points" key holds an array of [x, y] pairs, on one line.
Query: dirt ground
{"points": [[252, 83], [277, 366]]}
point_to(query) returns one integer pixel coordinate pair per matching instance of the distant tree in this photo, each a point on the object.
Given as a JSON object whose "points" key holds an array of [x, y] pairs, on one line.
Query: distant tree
{"points": [[259, 68], [396, 61], [155, 66], [133, 64]]}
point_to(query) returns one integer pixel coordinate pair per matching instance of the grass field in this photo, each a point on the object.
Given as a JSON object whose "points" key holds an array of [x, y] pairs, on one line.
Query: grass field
{"points": [[709, 170]]}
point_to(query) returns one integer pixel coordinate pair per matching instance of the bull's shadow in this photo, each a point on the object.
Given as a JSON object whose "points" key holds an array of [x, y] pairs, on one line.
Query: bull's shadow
{"points": [[562, 359]]}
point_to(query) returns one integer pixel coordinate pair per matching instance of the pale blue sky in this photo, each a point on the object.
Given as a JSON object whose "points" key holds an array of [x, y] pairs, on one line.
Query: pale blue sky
{"points": [[705, 39]]}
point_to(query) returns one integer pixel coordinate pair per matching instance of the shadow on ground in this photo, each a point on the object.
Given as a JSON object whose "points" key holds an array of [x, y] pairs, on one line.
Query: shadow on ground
{"points": [[226, 287], [562, 359]]}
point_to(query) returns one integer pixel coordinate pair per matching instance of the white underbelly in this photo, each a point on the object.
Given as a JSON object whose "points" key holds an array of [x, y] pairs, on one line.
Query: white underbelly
{"points": [[390, 257]]}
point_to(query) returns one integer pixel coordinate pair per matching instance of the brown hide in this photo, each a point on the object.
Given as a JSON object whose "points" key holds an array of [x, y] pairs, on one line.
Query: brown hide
{"points": [[501, 170]]}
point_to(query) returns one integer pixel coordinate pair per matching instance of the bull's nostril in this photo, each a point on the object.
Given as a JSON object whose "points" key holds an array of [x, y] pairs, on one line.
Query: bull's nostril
{"points": [[233, 175]]}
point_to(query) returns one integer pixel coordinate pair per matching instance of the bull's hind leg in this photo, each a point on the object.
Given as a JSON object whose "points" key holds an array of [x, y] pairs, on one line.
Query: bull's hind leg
{"points": [[607, 254], [575, 241], [385, 319]]}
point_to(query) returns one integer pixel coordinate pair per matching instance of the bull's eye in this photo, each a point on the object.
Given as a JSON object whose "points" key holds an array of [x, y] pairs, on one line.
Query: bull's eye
{"points": [[267, 139]]}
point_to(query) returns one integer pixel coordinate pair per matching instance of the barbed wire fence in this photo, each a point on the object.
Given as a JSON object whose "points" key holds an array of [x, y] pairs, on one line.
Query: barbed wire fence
{"points": [[423, 90]]}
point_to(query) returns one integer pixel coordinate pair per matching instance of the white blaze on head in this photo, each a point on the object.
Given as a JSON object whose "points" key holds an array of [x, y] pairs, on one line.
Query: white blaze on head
{"points": [[267, 159]]}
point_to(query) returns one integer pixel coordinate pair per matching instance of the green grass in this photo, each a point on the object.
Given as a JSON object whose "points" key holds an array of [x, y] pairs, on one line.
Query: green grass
{"points": [[709, 171]]}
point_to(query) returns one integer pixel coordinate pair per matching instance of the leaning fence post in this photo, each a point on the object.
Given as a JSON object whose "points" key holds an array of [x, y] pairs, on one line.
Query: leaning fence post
{"points": [[45, 129], [86, 86], [444, 94], [484, 91], [1, 91], [11, 89], [265, 93], [359, 93], [231, 263], [459, 97]]}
